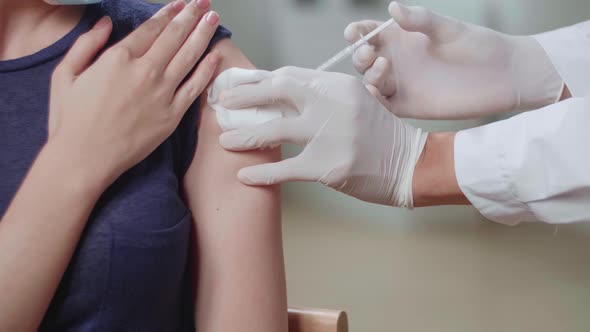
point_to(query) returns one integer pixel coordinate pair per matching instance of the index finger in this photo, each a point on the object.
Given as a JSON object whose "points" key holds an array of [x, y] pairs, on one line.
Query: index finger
{"points": [[293, 169], [269, 91], [176, 33], [140, 40]]}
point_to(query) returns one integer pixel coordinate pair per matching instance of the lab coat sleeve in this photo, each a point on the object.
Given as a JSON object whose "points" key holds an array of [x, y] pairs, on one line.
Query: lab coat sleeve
{"points": [[532, 167], [569, 50]]}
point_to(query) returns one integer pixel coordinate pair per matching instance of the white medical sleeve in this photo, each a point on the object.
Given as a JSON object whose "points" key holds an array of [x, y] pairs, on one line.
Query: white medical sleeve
{"points": [[536, 166], [532, 167], [569, 50]]}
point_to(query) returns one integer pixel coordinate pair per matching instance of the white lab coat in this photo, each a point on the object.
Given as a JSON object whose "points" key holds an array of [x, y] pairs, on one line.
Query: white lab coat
{"points": [[536, 166]]}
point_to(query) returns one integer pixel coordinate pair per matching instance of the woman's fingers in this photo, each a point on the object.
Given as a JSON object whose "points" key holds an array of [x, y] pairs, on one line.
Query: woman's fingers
{"points": [[196, 84], [86, 48], [140, 40], [192, 50], [176, 33]]}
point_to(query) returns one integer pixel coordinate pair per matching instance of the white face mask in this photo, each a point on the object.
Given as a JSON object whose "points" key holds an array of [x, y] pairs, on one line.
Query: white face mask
{"points": [[72, 2]]}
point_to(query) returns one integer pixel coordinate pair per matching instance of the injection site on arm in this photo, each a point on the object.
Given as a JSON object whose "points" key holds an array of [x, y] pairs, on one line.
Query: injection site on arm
{"points": [[234, 119], [233, 77]]}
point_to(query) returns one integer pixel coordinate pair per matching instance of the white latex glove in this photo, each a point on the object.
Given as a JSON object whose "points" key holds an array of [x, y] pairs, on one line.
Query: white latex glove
{"points": [[352, 143], [431, 66], [229, 119]]}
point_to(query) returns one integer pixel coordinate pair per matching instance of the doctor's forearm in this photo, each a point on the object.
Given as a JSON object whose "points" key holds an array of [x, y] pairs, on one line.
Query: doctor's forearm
{"points": [[566, 94], [434, 181]]}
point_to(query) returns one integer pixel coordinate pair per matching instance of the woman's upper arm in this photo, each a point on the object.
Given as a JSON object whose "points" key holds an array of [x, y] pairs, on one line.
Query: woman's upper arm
{"points": [[238, 258]]}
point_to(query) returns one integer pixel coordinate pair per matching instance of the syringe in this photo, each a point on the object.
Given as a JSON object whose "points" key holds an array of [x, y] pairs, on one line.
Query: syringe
{"points": [[350, 49]]}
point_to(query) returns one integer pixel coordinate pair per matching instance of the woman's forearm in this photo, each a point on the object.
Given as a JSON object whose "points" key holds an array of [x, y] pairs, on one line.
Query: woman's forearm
{"points": [[39, 233], [434, 181]]}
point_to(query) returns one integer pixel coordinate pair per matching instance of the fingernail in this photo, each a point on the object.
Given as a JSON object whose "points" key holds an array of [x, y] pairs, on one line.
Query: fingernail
{"points": [[203, 4], [178, 5], [212, 18], [103, 22]]}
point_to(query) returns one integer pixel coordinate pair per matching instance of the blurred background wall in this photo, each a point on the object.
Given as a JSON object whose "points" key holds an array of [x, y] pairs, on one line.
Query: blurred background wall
{"points": [[436, 269]]}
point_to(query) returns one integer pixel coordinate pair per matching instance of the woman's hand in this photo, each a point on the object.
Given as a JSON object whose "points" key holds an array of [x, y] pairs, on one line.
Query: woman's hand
{"points": [[116, 111], [104, 118]]}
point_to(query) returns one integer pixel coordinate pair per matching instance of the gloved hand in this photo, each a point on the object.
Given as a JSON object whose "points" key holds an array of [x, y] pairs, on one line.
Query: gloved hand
{"points": [[352, 143], [431, 66]]}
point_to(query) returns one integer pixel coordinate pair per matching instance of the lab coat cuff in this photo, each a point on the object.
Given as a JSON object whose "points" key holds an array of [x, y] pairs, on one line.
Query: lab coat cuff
{"points": [[483, 174], [569, 51]]}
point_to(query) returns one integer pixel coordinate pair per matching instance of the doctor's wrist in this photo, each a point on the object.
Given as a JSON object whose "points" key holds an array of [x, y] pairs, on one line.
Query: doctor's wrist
{"points": [[536, 79], [565, 94], [434, 181]]}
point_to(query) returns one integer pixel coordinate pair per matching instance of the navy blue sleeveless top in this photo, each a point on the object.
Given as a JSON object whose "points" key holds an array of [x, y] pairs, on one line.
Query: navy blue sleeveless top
{"points": [[130, 270]]}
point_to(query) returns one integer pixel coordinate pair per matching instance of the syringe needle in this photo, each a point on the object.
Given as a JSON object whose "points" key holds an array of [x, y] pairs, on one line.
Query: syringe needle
{"points": [[350, 49]]}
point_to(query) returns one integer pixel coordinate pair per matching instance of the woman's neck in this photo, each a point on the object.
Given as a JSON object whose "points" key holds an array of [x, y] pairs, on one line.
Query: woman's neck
{"points": [[28, 26]]}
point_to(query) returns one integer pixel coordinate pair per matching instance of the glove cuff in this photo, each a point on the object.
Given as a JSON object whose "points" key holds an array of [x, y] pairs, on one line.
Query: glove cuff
{"points": [[538, 82], [403, 194]]}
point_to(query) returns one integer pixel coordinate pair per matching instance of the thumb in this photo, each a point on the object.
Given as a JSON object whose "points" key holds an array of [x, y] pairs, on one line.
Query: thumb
{"points": [[419, 19], [87, 47], [274, 173]]}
